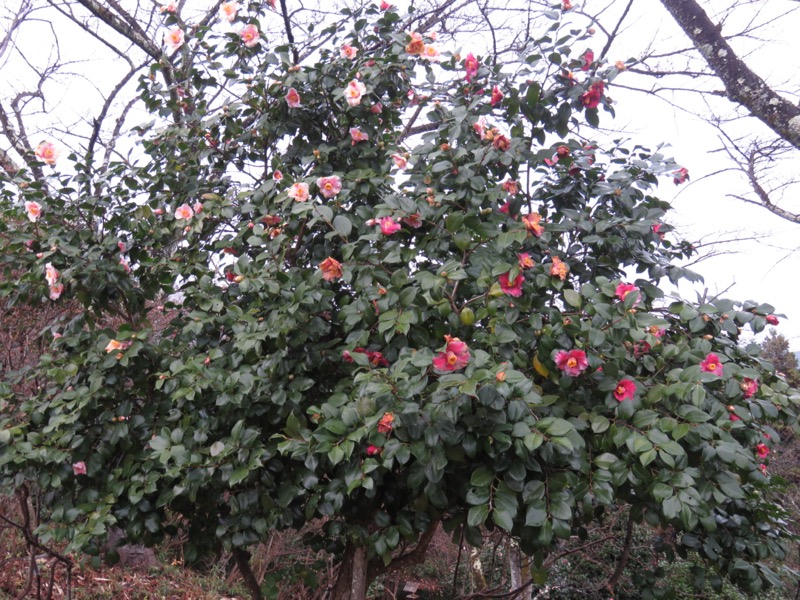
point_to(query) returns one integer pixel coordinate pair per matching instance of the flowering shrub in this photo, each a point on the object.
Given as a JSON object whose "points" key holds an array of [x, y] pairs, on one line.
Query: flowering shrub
{"points": [[302, 375]]}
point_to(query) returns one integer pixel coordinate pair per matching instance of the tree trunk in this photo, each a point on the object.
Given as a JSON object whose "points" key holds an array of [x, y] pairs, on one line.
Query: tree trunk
{"points": [[251, 583], [516, 566], [351, 582]]}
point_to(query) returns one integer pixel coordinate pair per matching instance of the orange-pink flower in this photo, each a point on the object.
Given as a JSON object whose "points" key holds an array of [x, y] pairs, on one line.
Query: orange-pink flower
{"points": [[228, 10], [712, 364], [525, 261], [249, 34], [497, 96], [625, 390], [512, 288], [184, 211], [331, 269], [399, 161], [34, 210], [354, 91], [512, 187], [573, 363], [416, 45], [531, 222], [292, 98], [385, 425], [349, 51], [559, 268], [47, 152], [329, 186], [454, 357], [114, 345], [298, 192], [56, 290], [357, 135], [173, 38]]}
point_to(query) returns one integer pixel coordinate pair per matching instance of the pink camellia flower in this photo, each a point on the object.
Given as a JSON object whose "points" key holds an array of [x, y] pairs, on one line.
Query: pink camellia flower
{"points": [[657, 230], [184, 211], [228, 10], [625, 390], [471, 65], [525, 261], [384, 5], [47, 152], [480, 127], [573, 362], [623, 289], [197, 207], [431, 53], [292, 98], [389, 225], [511, 186], [357, 135], [505, 208], [591, 99], [711, 364], [79, 468], [734, 417], [399, 161], [763, 468], [566, 5], [51, 274], [512, 288], [531, 222], [125, 264], [277, 175], [56, 290], [385, 425], [354, 91], [329, 186], [347, 357], [249, 34], [413, 220], [173, 38], [416, 46], [376, 108], [497, 96], [588, 59], [501, 143], [772, 319], [331, 270], [349, 51], [374, 450], [168, 6], [749, 387], [34, 210], [680, 176], [298, 192], [762, 451], [455, 356], [559, 268]]}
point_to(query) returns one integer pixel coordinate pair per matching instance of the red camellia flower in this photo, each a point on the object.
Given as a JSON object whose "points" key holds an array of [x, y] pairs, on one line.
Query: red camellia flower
{"points": [[623, 289], [497, 96], [625, 390], [385, 425], [711, 364], [762, 451], [572, 362], [772, 320], [588, 59], [374, 450], [680, 176], [512, 288], [455, 356], [471, 65], [749, 387], [591, 99], [735, 417]]}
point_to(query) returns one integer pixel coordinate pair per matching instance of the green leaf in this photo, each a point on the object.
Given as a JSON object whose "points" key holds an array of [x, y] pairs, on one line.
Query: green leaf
{"points": [[573, 298], [477, 515]]}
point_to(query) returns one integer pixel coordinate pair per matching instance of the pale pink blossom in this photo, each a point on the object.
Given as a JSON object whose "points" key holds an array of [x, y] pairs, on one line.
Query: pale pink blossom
{"points": [[431, 52], [249, 34], [34, 210], [354, 91], [168, 6], [198, 208], [298, 192], [47, 152], [184, 211], [51, 274], [329, 186], [56, 290], [125, 264], [228, 10], [79, 468], [358, 135], [399, 161], [349, 51], [389, 225], [292, 98], [114, 345], [173, 38]]}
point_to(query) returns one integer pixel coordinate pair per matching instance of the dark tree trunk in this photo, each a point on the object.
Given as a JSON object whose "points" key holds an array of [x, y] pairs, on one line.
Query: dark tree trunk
{"points": [[251, 583], [351, 582]]}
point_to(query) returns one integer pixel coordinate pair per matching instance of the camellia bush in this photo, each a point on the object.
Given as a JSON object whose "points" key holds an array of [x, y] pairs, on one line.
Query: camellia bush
{"points": [[397, 288]]}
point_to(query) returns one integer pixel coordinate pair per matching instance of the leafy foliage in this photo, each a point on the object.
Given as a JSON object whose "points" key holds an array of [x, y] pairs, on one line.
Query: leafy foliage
{"points": [[393, 350]]}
